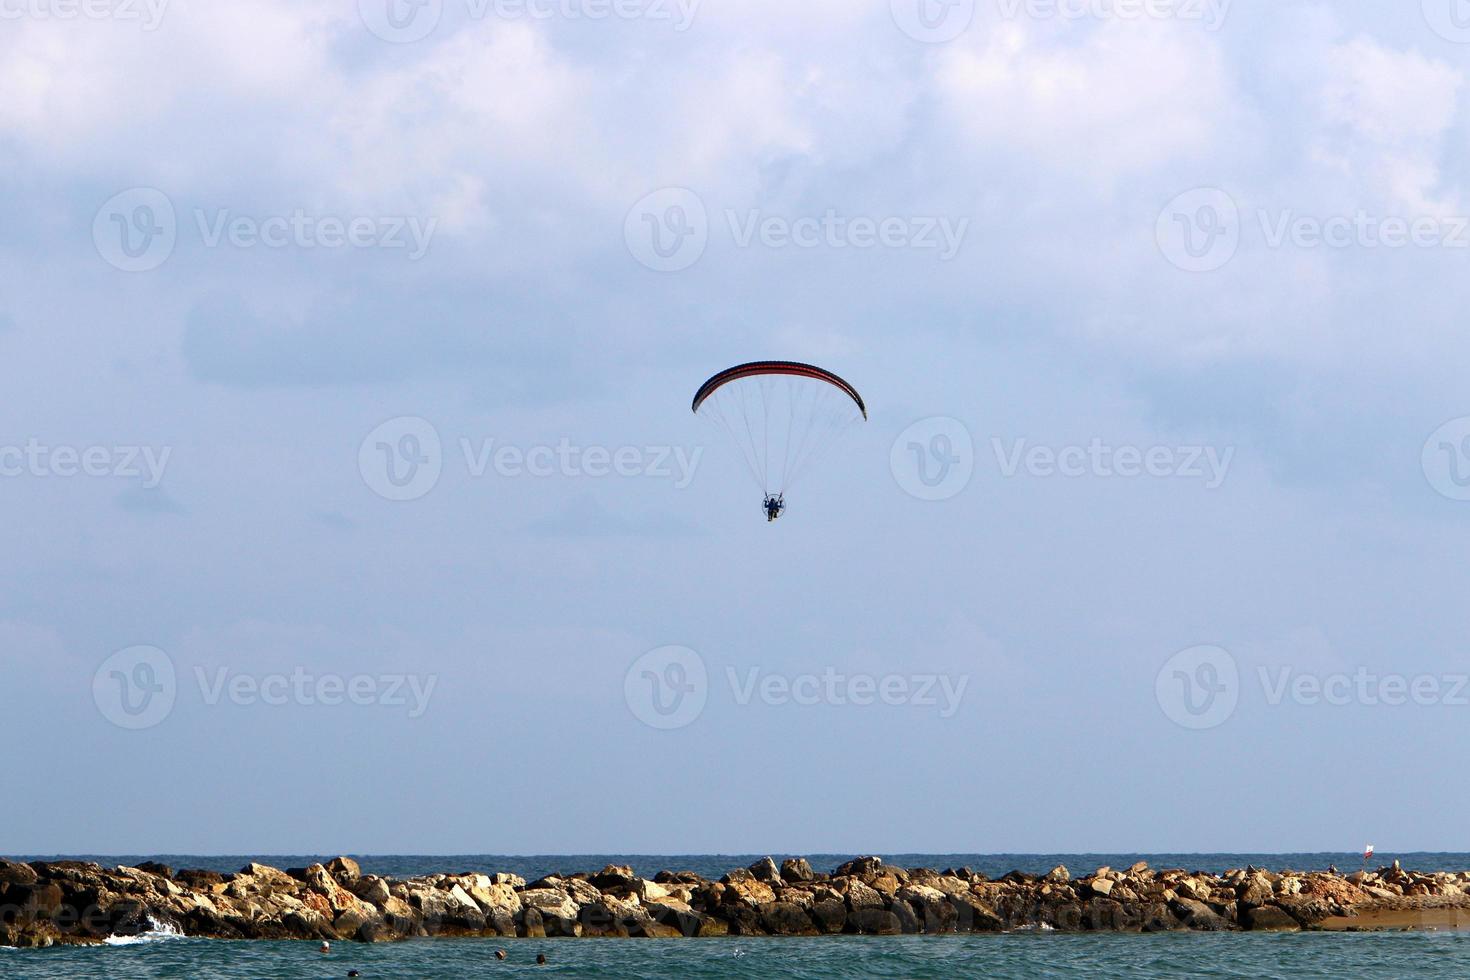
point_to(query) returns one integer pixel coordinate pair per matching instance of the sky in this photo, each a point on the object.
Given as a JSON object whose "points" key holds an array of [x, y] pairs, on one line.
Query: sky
{"points": [[354, 504]]}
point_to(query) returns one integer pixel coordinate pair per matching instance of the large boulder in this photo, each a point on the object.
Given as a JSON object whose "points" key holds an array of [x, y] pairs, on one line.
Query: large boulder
{"points": [[492, 897], [319, 881], [556, 910], [742, 920], [932, 907], [796, 869], [1255, 891], [16, 873], [860, 866], [615, 877], [786, 919], [531, 926], [765, 870], [155, 868], [371, 888], [860, 896], [199, 879], [357, 924], [743, 886], [39, 935], [951, 885], [1107, 915], [875, 922], [1308, 910], [975, 914], [345, 870], [675, 915], [829, 915], [265, 875], [799, 895], [612, 916], [1199, 916], [908, 921], [1158, 918], [448, 910], [652, 891], [582, 891], [39, 900], [1269, 918], [889, 881]]}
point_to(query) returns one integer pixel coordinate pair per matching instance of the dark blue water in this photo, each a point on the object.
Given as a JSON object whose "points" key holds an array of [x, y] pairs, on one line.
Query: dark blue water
{"points": [[535, 866]]}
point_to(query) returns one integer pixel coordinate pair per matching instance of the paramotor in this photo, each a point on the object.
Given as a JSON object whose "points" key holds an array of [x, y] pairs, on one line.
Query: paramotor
{"points": [[782, 416]]}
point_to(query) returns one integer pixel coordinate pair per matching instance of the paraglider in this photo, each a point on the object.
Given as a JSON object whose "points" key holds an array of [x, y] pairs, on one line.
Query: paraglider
{"points": [[782, 416]]}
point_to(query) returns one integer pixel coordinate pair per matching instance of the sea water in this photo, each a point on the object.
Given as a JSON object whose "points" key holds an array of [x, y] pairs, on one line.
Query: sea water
{"points": [[1293, 955]]}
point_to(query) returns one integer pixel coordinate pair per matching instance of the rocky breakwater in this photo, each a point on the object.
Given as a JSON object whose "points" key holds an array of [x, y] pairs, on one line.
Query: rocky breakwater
{"points": [[49, 902]]}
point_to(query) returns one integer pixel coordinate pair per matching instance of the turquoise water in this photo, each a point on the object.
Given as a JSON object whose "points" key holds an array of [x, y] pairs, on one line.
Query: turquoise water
{"points": [[1170, 955]]}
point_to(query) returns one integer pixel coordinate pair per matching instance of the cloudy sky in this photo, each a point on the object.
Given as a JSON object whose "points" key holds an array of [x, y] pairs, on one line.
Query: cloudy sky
{"points": [[320, 322]]}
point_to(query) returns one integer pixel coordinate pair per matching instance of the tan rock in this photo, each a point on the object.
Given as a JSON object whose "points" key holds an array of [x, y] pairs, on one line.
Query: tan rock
{"points": [[552, 901], [371, 888], [492, 896], [860, 896], [951, 885], [1257, 890], [750, 890], [888, 884], [921, 893], [345, 870]]}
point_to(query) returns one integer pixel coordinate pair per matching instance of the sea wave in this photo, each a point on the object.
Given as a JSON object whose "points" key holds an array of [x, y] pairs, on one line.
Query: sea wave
{"points": [[156, 932]]}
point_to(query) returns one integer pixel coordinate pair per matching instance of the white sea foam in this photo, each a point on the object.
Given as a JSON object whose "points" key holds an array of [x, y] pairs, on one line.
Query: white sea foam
{"points": [[156, 932]]}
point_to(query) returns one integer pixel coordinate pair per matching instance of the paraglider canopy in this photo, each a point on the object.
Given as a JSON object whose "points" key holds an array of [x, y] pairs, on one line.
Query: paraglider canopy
{"points": [[782, 415], [770, 368]]}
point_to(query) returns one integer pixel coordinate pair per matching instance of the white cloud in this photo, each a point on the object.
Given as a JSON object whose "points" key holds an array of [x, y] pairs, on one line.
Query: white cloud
{"points": [[77, 90], [1384, 117], [1128, 100]]}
